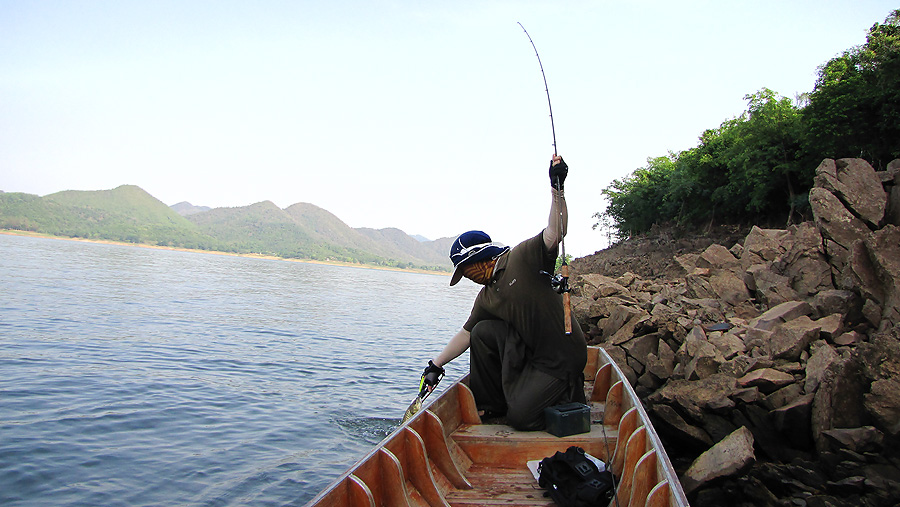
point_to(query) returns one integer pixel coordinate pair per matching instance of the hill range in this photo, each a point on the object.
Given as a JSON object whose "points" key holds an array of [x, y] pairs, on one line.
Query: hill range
{"points": [[301, 231]]}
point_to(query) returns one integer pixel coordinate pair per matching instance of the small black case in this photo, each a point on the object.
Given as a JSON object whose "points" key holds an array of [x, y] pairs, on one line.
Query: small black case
{"points": [[568, 419]]}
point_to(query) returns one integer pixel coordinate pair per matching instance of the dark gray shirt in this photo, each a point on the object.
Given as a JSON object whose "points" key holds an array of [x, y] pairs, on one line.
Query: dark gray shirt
{"points": [[521, 296]]}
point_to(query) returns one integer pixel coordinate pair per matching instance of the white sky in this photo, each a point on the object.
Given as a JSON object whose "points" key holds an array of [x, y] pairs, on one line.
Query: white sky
{"points": [[426, 116]]}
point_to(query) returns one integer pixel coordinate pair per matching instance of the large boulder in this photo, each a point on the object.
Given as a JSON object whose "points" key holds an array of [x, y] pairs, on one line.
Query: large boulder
{"points": [[730, 456], [855, 183], [893, 179], [766, 380], [784, 312], [792, 420], [805, 262], [882, 402], [864, 439], [791, 338], [832, 301], [884, 251], [836, 224], [769, 286], [762, 246], [693, 397], [838, 402], [821, 359]]}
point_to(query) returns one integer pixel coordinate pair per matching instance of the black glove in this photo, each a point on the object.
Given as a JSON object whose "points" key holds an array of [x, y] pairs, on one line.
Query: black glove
{"points": [[430, 377], [558, 174]]}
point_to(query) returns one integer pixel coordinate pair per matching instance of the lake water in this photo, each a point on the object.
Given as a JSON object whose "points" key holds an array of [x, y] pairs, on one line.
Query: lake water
{"points": [[136, 376]]}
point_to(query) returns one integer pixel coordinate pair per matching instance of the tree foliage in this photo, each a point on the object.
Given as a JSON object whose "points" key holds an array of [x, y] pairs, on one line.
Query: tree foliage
{"points": [[854, 109], [759, 166]]}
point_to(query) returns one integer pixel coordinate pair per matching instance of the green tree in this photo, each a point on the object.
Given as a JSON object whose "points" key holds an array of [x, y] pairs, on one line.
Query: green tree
{"points": [[636, 201], [765, 160], [854, 108]]}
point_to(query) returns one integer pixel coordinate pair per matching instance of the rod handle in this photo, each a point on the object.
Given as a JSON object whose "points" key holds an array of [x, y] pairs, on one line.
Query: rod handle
{"points": [[567, 302]]}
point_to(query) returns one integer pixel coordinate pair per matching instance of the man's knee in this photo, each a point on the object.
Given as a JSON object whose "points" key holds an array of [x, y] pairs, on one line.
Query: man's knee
{"points": [[489, 331], [525, 418]]}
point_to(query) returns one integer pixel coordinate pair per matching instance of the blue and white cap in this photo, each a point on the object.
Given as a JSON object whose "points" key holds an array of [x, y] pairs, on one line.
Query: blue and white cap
{"points": [[469, 247]]}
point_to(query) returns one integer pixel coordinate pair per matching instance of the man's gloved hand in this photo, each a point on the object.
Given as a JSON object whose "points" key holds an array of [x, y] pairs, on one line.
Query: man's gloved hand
{"points": [[558, 172], [430, 378]]}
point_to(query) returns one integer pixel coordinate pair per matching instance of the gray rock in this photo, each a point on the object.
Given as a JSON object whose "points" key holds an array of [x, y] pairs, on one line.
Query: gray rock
{"points": [[729, 287], [831, 326], [864, 439], [791, 338], [618, 316], [738, 366], [770, 287], [729, 344], [662, 365], [856, 184], [838, 401], [884, 247], [605, 287], [747, 395], [766, 379], [704, 362], [642, 347], [818, 363], [792, 420], [695, 396], [781, 313], [784, 396], [833, 220], [687, 263], [761, 246], [848, 338], [833, 301], [728, 457], [718, 257], [688, 434], [805, 263], [882, 402], [893, 206]]}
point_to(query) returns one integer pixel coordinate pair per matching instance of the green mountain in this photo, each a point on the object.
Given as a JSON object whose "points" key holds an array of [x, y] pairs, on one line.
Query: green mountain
{"points": [[387, 243], [185, 208], [125, 213], [302, 231]]}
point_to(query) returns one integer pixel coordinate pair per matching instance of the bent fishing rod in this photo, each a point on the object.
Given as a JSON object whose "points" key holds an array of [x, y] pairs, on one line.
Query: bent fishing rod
{"points": [[560, 283], [546, 88]]}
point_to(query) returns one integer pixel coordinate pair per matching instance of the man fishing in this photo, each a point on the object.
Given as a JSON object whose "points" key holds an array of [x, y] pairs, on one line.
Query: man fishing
{"points": [[522, 359]]}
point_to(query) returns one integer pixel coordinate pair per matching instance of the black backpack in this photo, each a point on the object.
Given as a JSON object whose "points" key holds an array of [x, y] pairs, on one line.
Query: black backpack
{"points": [[571, 479]]}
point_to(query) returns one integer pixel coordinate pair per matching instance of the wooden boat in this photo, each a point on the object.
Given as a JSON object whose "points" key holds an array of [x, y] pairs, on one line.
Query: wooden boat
{"points": [[445, 456]]}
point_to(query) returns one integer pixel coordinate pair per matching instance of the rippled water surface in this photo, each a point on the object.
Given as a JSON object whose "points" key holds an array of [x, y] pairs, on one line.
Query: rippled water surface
{"points": [[135, 376]]}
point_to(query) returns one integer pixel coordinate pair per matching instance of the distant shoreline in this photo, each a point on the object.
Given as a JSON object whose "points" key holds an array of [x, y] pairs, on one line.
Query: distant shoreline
{"points": [[11, 232]]}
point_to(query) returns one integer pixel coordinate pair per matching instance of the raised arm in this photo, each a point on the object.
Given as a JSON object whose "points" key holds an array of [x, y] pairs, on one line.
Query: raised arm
{"points": [[558, 221]]}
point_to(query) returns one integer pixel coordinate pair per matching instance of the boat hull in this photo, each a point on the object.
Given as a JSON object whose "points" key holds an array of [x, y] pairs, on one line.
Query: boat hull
{"points": [[445, 456]]}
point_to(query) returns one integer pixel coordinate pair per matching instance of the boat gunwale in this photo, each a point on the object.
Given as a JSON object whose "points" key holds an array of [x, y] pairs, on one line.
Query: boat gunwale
{"points": [[676, 492], [675, 488]]}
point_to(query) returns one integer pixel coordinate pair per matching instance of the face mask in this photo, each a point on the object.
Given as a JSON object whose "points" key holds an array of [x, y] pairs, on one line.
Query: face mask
{"points": [[480, 272]]}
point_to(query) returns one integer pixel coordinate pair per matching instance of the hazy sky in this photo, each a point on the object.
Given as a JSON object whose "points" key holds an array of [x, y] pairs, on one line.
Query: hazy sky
{"points": [[426, 116]]}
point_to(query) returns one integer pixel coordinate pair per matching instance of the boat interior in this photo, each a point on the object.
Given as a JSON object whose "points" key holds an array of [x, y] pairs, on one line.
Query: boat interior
{"points": [[446, 456]]}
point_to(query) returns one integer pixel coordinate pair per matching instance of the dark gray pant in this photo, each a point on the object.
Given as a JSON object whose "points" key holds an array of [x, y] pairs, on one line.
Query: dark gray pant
{"points": [[503, 380]]}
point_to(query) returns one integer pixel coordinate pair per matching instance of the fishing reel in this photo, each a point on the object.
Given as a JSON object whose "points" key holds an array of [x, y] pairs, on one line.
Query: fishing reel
{"points": [[558, 282]]}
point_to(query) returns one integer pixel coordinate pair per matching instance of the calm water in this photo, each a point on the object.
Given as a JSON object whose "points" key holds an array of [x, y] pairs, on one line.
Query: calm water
{"points": [[133, 376]]}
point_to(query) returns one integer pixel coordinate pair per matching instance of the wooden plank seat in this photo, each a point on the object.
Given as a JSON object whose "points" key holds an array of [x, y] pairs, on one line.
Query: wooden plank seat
{"points": [[498, 444]]}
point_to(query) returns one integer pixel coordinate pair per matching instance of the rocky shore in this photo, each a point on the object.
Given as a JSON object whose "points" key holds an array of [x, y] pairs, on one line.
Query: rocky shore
{"points": [[769, 359]]}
